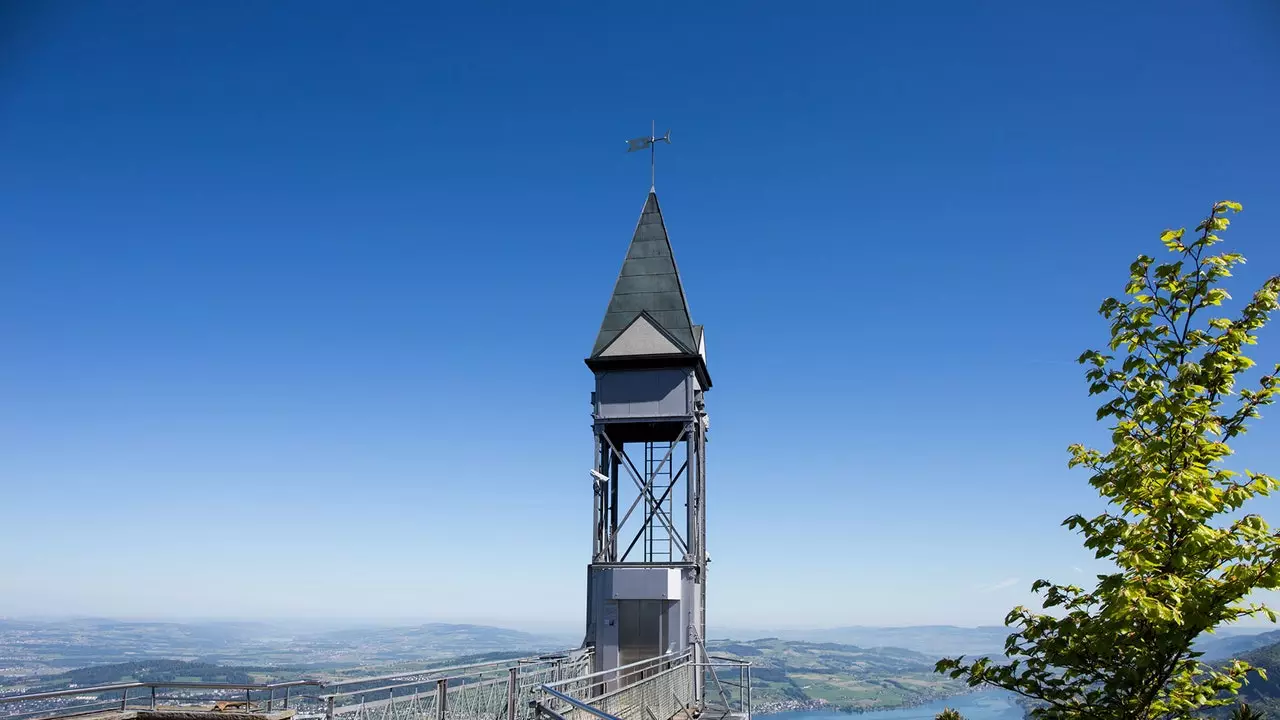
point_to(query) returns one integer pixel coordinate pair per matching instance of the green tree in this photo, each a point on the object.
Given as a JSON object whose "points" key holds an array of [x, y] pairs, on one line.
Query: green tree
{"points": [[952, 714], [1185, 557], [1244, 712]]}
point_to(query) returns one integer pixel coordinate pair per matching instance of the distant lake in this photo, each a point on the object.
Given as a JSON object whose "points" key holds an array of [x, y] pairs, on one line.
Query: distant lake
{"points": [[986, 705]]}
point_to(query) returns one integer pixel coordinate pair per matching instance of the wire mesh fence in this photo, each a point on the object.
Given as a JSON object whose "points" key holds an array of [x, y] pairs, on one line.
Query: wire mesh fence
{"points": [[561, 686], [152, 696], [485, 691], [653, 689], [492, 690]]}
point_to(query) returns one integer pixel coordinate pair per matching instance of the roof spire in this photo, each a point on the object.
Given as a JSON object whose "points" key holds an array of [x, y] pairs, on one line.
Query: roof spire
{"points": [[649, 285], [650, 142]]}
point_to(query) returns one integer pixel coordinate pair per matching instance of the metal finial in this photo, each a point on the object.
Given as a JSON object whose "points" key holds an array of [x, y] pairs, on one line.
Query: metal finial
{"points": [[650, 142]]}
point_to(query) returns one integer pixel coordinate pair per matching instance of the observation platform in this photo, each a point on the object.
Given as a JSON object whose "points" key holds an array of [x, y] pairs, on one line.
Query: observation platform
{"points": [[546, 687]]}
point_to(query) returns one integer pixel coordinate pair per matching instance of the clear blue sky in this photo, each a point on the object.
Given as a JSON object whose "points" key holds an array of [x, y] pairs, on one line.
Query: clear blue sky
{"points": [[262, 266]]}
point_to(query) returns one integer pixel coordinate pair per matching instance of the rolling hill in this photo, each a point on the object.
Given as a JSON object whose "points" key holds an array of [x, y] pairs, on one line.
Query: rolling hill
{"points": [[932, 640], [797, 674]]}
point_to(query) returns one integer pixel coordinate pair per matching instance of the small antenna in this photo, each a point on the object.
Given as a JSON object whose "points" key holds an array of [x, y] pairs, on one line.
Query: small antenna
{"points": [[650, 142]]}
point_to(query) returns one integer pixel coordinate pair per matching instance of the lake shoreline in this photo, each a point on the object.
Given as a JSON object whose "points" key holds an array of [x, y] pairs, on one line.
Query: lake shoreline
{"points": [[824, 706], [983, 704]]}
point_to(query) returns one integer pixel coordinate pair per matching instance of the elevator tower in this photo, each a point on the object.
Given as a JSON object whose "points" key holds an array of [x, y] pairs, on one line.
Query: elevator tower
{"points": [[646, 584]]}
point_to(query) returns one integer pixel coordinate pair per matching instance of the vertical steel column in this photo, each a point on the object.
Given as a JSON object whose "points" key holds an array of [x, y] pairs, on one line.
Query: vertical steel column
{"points": [[595, 504], [700, 440], [124, 699], [614, 467], [690, 492], [153, 697], [600, 499], [328, 708], [646, 544]]}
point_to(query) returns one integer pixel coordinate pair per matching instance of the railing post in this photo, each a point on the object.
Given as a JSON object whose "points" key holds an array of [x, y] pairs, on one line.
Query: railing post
{"points": [[328, 708], [248, 700], [442, 698], [286, 697], [124, 699], [513, 689], [271, 698], [153, 697], [695, 671]]}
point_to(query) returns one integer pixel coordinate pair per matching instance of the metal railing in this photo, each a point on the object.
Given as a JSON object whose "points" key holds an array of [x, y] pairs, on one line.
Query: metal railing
{"points": [[653, 689], [557, 686], [730, 681], [123, 697], [591, 687], [491, 690], [482, 691], [659, 688]]}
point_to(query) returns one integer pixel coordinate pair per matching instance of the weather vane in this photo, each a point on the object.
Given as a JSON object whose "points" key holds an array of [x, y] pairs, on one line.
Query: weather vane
{"points": [[650, 142]]}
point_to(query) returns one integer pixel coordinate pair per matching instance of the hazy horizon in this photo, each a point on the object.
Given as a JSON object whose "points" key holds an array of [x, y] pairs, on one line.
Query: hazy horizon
{"points": [[535, 629]]}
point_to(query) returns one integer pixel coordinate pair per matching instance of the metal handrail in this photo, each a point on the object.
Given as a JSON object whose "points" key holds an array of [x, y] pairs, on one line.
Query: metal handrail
{"points": [[457, 671], [543, 675], [333, 695], [410, 683], [576, 703], [625, 688], [121, 687], [618, 671], [727, 659]]}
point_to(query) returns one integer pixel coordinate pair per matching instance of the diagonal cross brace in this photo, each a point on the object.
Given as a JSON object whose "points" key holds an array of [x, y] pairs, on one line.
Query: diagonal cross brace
{"points": [[646, 489], [646, 493], [649, 515], [655, 506]]}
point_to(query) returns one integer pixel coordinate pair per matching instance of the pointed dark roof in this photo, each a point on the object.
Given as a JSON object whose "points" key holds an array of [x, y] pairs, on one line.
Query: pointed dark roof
{"points": [[649, 283]]}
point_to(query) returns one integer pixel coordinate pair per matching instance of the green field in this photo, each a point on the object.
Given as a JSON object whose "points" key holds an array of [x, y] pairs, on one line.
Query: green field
{"points": [[788, 675]]}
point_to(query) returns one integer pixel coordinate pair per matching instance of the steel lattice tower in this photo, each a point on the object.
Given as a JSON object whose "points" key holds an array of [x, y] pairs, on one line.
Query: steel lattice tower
{"points": [[646, 585]]}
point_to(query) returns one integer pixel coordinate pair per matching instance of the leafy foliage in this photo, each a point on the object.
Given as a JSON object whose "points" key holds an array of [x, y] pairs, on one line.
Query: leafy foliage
{"points": [[951, 714], [1262, 693], [1244, 712], [1182, 565]]}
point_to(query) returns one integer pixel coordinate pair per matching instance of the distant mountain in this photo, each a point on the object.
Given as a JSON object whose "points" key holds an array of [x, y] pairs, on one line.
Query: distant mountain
{"points": [[1219, 647], [42, 648], [435, 639], [950, 640], [84, 641], [1263, 695], [932, 640]]}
